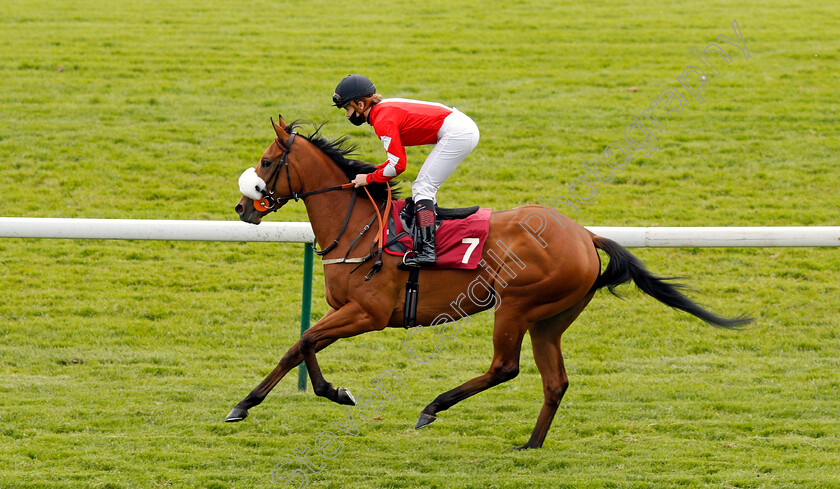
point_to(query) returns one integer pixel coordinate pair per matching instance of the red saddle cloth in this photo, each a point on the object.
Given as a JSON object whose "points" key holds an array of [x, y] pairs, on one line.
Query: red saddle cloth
{"points": [[458, 242]]}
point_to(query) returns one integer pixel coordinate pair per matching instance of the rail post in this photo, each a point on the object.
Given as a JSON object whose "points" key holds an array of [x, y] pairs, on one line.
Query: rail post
{"points": [[306, 305]]}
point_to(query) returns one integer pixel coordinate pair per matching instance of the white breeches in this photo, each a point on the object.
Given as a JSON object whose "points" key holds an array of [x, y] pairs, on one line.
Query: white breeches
{"points": [[457, 137]]}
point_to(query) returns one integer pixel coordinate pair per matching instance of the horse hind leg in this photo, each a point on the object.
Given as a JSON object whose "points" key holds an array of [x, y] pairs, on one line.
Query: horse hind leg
{"points": [[549, 360], [507, 342], [545, 341]]}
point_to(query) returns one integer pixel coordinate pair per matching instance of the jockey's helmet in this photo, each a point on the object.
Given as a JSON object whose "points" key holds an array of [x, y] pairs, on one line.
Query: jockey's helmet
{"points": [[351, 88]]}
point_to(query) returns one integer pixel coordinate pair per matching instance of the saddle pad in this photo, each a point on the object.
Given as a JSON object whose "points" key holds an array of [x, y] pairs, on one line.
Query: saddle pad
{"points": [[459, 242]]}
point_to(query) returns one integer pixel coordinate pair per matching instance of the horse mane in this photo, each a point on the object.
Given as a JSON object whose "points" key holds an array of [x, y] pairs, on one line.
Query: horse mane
{"points": [[338, 151]]}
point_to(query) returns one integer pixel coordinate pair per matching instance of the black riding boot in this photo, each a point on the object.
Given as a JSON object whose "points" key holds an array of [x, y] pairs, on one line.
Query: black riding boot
{"points": [[424, 236]]}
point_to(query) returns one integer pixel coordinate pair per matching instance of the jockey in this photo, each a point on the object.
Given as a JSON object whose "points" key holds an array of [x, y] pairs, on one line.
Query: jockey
{"points": [[402, 122]]}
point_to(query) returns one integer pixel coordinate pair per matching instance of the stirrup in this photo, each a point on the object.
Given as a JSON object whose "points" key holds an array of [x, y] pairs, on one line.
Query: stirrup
{"points": [[419, 265], [405, 266]]}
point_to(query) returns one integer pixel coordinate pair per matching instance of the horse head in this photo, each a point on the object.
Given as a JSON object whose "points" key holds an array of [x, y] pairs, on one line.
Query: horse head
{"points": [[268, 186]]}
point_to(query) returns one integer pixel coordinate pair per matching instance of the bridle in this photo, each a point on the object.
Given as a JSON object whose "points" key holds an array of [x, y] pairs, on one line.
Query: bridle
{"points": [[270, 203]]}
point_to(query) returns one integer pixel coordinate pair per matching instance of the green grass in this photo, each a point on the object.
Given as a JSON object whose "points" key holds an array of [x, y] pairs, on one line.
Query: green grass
{"points": [[118, 360]]}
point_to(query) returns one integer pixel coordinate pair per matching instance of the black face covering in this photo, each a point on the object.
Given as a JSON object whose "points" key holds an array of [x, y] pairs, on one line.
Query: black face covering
{"points": [[357, 119]]}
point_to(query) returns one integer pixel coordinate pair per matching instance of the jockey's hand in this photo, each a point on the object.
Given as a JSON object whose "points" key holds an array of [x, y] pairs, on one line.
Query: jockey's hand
{"points": [[360, 180]]}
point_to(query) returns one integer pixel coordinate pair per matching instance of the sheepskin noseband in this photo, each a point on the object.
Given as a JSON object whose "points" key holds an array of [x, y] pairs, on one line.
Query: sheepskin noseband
{"points": [[251, 185]]}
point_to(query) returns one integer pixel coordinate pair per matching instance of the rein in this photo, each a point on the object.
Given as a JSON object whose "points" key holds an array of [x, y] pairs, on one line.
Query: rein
{"points": [[270, 203], [381, 236]]}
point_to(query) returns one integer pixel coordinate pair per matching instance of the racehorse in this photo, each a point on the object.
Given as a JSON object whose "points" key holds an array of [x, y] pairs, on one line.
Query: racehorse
{"points": [[539, 278]]}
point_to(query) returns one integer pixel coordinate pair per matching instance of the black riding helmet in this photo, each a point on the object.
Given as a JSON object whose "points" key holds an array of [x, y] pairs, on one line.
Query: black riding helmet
{"points": [[351, 88]]}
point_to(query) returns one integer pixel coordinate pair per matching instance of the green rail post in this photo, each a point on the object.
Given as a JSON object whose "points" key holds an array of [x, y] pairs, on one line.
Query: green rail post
{"points": [[305, 306]]}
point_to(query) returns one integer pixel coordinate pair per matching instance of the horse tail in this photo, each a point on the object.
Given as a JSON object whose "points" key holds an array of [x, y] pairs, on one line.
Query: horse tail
{"points": [[623, 267]]}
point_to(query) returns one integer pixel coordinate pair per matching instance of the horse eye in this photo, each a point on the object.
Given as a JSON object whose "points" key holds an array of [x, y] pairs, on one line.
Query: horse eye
{"points": [[266, 163]]}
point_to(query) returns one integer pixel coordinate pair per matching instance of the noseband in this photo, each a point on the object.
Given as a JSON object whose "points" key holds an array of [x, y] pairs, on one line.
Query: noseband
{"points": [[270, 203]]}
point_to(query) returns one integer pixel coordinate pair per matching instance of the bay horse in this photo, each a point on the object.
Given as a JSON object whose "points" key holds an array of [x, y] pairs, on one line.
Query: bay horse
{"points": [[538, 281]]}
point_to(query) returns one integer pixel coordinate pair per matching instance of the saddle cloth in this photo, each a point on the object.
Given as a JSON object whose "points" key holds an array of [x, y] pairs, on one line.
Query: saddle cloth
{"points": [[459, 242]]}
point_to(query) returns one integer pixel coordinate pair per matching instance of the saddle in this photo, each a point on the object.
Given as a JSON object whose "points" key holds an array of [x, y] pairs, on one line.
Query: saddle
{"points": [[461, 233], [460, 237], [442, 213]]}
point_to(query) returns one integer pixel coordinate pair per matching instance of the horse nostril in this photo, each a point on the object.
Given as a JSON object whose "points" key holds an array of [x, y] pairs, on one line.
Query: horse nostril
{"points": [[239, 209]]}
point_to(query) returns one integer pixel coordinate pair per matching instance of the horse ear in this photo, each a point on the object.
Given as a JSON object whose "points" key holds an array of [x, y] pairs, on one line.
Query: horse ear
{"points": [[279, 126]]}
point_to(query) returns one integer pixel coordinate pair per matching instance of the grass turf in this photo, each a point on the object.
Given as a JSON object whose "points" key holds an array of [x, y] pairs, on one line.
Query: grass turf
{"points": [[119, 359]]}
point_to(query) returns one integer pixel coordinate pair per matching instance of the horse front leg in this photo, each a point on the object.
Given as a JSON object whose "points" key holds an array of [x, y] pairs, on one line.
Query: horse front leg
{"points": [[350, 320], [290, 360]]}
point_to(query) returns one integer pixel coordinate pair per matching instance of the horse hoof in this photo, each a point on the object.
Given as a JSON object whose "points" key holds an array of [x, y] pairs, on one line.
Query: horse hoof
{"points": [[525, 447], [345, 397], [236, 414], [425, 420]]}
